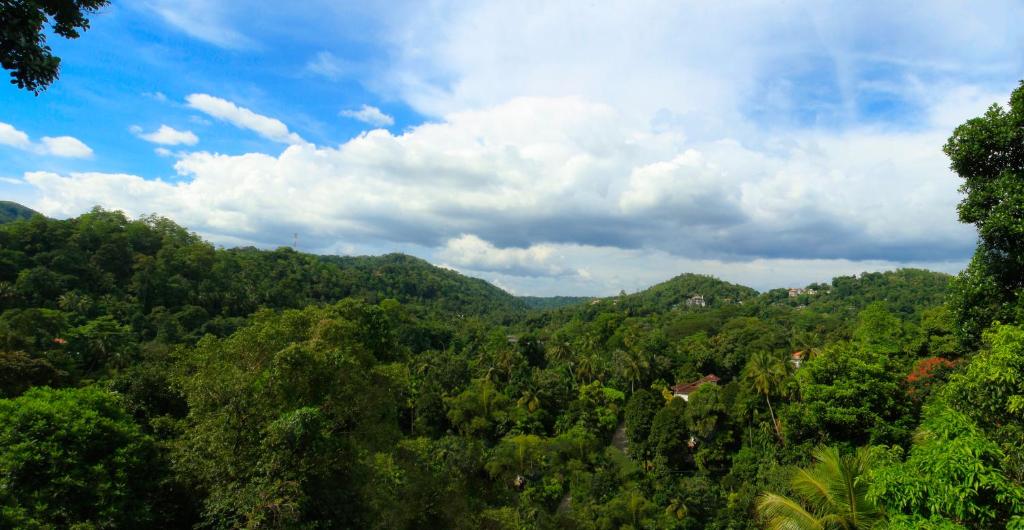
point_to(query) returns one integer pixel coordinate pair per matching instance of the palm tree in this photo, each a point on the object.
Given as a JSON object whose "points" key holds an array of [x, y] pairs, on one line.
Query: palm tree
{"points": [[503, 364], [587, 343], [637, 506], [488, 397], [832, 493], [590, 367], [74, 302], [765, 373], [632, 366], [677, 509], [530, 400], [806, 340], [561, 353]]}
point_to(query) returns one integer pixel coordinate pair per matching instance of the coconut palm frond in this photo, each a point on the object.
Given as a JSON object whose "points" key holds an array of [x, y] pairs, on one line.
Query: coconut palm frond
{"points": [[815, 489], [782, 513], [831, 493]]}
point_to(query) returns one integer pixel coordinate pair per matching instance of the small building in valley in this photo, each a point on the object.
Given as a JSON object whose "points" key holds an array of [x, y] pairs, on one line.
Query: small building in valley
{"points": [[683, 390], [797, 358]]}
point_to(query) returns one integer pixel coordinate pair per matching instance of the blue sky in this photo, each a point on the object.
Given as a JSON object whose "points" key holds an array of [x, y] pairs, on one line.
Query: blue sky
{"points": [[565, 148]]}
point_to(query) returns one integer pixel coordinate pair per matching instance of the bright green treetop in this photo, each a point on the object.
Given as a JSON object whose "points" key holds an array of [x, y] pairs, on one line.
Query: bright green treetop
{"points": [[74, 458], [987, 152]]}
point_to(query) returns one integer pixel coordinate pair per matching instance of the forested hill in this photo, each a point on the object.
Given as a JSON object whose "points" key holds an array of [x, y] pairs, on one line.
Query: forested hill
{"points": [[902, 291], [407, 278], [163, 281], [697, 290], [12, 211]]}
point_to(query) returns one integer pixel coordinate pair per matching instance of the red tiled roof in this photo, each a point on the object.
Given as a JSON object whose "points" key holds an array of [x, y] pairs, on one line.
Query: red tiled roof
{"points": [[688, 388], [798, 355]]}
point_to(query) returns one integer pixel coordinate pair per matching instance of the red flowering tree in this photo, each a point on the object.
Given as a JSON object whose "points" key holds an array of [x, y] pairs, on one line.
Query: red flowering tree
{"points": [[927, 374]]}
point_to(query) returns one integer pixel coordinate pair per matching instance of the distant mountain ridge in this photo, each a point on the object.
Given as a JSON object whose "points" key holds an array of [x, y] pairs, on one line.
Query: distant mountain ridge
{"points": [[169, 283], [248, 278], [11, 211]]}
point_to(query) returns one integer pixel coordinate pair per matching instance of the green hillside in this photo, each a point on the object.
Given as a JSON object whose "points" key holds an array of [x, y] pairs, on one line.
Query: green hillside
{"points": [[12, 211], [166, 282], [679, 293], [411, 279], [902, 291]]}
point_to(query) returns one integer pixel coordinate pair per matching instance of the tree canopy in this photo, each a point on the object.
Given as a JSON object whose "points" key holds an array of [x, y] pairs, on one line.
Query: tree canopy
{"points": [[987, 152], [24, 51]]}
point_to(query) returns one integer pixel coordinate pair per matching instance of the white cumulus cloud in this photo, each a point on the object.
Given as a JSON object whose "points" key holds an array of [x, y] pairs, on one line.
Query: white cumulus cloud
{"points": [[241, 117], [370, 115], [523, 189], [167, 135], [65, 146], [62, 146], [469, 251], [12, 137]]}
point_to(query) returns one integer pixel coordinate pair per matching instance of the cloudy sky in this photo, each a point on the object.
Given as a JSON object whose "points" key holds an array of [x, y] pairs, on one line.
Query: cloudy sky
{"points": [[549, 147]]}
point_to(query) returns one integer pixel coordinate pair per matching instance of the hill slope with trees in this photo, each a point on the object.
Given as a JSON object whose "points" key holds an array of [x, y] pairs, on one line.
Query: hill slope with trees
{"points": [[12, 211]]}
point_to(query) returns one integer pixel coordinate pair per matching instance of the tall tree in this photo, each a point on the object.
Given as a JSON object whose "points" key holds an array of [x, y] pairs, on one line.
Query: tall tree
{"points": [[853, 396], [987, 152], [764, 373], [282, 417], [639, 414], [631, 365], [23, 48], [878, 330], [74, 458]]}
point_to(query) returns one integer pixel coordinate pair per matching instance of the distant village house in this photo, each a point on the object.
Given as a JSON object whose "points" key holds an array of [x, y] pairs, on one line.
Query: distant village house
{"points": [[696, 300], [797, 358], [797, 291], [683, 390]]}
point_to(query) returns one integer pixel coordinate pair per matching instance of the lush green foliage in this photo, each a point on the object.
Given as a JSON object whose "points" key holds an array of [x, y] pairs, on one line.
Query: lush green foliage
{"points": [[75, 459], [83, 293], [23, 48], [988, 153], [953, 472], [280, 412]]}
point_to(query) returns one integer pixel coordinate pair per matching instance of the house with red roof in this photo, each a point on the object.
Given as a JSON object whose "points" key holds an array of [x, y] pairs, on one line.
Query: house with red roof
{"points": [[683, 390]]}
